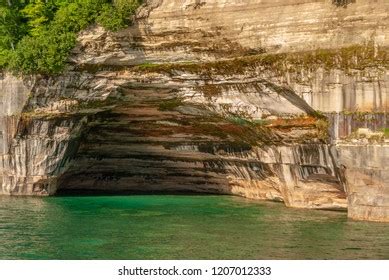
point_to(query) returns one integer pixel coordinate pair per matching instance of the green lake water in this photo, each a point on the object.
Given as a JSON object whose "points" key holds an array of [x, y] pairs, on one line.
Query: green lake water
{"points": [[180, 227]]}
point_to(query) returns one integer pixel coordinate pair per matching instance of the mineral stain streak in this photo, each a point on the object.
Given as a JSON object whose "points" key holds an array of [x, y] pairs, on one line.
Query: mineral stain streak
{"points": [[213, 97]]}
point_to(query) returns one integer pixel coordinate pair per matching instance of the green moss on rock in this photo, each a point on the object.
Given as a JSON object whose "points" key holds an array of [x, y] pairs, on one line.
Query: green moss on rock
{"points": [[353, 57]]}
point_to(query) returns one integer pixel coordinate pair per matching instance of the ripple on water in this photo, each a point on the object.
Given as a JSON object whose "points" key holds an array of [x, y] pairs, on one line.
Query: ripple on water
{"points": [[180, 227]]}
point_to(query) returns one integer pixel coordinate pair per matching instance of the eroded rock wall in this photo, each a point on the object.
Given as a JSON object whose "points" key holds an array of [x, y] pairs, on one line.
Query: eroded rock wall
{"points": [[210, 96], [176, 30], [13, 97], [367, 172], [35, 148]]}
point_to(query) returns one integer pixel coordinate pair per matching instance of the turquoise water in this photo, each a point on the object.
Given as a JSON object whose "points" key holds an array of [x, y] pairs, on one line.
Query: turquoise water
{"points": [[180, 227]]}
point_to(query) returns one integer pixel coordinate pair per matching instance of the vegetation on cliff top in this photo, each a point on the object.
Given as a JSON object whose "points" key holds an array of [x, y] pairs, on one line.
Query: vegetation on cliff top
{"points": [[36, 36]]}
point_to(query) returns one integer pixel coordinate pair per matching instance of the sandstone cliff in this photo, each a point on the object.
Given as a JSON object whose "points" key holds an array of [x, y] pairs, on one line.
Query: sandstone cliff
{"points": [[260, 99]]}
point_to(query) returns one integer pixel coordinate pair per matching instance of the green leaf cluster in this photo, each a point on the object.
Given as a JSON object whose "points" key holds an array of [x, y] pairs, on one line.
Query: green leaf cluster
{"points": [[36, 36]]}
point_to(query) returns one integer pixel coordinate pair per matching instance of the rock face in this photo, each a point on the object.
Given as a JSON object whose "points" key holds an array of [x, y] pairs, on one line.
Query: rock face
{"points": [[215, 97], [191, 30], [163, 134], [367, 180], [13, 96]]}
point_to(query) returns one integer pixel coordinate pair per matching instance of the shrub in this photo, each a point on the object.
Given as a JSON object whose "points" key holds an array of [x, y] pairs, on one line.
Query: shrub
{"points": [[110, 18], [44, 54], [37, 36]]}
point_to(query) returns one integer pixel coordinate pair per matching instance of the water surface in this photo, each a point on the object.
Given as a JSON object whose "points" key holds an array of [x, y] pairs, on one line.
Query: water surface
{"points": [[180, 227]]}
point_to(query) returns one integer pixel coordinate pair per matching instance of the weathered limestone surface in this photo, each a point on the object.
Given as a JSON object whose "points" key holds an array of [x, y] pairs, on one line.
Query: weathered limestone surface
{"points": [[177, 30], [136, 146], [209, 96], [342, 125], [336, 90], [158, 132], [367, 172], [13, 96]]}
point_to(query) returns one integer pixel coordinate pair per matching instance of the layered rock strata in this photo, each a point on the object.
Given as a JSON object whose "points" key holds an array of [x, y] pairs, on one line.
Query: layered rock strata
{"points": [[215, 97]]}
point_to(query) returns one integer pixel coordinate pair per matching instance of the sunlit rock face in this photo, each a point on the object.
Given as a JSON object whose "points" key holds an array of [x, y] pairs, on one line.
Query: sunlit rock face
{"points": [[13, 96], [259, 99], [367, 172], [191, 30], [33, 150]]}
